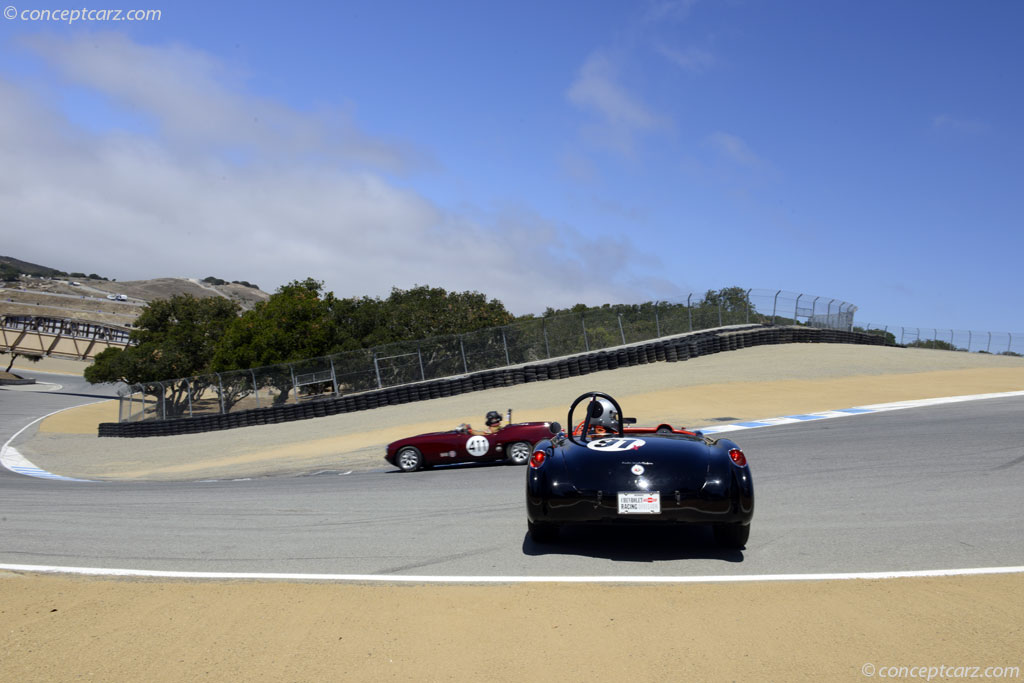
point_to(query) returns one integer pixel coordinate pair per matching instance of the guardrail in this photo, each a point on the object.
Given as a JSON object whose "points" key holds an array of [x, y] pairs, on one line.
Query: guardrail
{"points": [[677, 348]]}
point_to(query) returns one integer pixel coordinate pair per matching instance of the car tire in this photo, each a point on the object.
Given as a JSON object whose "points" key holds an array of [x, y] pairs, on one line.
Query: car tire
{"points": [[542, 532], [518, 453], [409, 459], [732, 536]]}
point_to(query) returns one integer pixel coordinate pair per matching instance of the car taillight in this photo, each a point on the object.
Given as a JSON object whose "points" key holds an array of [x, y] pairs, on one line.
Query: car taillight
{"points": [[738, 457], [537, 459]]}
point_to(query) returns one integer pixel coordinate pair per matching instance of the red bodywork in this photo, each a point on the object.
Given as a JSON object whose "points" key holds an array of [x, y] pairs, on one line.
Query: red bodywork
{"points": [[442, 448], [660, 429]]}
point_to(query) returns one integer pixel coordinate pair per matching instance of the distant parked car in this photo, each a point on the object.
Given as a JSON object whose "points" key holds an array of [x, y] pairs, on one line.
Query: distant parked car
{"points": [[122, 297]]}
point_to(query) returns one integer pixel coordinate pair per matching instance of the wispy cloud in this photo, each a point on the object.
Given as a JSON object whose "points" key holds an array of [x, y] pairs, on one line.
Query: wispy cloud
{"points": [[243, 187], [947, 123], [692, 59], [620, 114], [734, 149]]}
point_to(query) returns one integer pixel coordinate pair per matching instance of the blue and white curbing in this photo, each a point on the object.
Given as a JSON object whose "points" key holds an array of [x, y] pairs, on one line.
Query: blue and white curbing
{"points": [[16, 462], [13, 460], [860, 410]]}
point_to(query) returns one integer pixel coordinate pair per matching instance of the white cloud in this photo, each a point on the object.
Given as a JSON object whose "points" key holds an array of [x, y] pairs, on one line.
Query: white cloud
{"points": [[620, 113], [311, 204], [947, 123], [693, 59], [733, 148]]}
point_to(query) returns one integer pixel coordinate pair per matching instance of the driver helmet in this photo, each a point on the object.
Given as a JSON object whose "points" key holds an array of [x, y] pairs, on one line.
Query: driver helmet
{"points": [[603, 414], [493, 418]]}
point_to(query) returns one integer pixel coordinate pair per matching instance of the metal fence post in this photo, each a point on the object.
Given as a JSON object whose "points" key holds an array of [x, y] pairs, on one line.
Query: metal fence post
{"points": [[968, 340], [583, 322], [544, 329], [189, 384], [828, 315], [719, 297], [295, 383], [621, 333], [163, 401], [988, 347], [419, 353], [462, 347], [796, 308], [255, 387], [504, 340], [376, 368], [220, 385], [748, 305], [334, 376], [689, 311], [901, 335], [775, 304], [657, 322], [1009, 343]]}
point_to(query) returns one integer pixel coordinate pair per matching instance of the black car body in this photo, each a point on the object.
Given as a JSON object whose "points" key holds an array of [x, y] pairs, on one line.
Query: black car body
{"points": [[656, 475]]}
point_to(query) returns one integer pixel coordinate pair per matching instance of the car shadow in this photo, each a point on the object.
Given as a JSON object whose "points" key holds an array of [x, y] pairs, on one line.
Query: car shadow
{"points": [[635, 544], [457, 466]]}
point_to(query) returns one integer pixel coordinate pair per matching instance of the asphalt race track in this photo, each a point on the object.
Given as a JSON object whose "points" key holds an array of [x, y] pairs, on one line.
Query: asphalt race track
{"points": [[916, 489]]}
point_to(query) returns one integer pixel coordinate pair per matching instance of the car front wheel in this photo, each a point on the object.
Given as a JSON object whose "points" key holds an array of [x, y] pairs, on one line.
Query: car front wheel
{"points": [[409, 459], [518, 453]]}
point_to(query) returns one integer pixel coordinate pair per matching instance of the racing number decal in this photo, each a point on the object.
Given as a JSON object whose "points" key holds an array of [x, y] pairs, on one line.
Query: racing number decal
{"points": [[616, 444], [478, 445]]}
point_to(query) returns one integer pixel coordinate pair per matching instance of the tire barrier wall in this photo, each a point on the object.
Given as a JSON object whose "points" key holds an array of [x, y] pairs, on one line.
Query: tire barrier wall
{"points": [[669, 350]]}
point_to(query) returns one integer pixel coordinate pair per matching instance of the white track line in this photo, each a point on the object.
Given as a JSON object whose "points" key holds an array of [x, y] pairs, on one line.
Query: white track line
{"points": [[395, 578]]}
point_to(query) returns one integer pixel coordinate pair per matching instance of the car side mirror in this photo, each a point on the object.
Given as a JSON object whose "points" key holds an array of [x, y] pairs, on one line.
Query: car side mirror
{"points": [[555, 427]]}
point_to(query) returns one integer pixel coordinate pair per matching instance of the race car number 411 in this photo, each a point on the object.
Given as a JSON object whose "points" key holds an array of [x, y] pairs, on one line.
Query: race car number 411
{"points": [[647, 503]]}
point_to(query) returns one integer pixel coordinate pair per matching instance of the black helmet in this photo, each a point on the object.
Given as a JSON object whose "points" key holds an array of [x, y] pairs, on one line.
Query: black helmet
{"points": [[492, 418]]}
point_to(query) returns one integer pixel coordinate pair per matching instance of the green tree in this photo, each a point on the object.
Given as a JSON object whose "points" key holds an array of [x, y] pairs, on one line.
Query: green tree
{"points": [[295, 323], [173, 338]]}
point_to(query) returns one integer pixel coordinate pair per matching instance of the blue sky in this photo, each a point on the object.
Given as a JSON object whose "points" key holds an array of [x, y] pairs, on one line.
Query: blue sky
{"points": [[544, 153]]}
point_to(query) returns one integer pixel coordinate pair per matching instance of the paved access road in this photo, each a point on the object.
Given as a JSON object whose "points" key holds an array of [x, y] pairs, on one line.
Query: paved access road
{"points": [[914, 489]]}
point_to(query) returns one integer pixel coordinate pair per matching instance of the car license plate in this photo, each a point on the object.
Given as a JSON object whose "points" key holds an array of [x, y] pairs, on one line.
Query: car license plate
{"points": [[640, 503]]}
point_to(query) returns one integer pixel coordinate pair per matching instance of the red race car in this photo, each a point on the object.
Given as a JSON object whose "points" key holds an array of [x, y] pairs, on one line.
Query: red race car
{"points": [[512, 443]]}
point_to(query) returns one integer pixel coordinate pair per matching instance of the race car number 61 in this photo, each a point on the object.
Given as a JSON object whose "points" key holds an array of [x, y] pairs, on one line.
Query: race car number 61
{"points": [[616, 444]]}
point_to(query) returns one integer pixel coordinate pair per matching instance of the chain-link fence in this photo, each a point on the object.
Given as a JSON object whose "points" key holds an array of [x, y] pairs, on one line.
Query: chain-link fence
{"points": [[525, 341], [1000, 343]]}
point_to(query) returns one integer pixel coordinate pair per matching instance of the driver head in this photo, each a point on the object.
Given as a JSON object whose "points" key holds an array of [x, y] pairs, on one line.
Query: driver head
{"points": [[602, 413], [493, 418]]}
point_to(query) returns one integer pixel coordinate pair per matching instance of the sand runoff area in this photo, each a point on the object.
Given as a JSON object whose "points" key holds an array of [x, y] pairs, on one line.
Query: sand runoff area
{"points": [[55, 628]]}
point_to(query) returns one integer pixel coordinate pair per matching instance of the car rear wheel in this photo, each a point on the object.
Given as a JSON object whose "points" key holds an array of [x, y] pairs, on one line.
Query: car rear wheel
{"points": [[409, 459], [542, 532], [518, 453], [732, 535]]}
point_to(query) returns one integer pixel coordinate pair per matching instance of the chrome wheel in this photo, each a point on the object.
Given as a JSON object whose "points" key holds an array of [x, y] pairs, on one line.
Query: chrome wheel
{"points": [[518, 453], [409, 459]]}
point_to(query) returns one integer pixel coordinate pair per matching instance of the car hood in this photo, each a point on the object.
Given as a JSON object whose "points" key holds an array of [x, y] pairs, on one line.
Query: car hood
{"points": [[648, 463]]}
